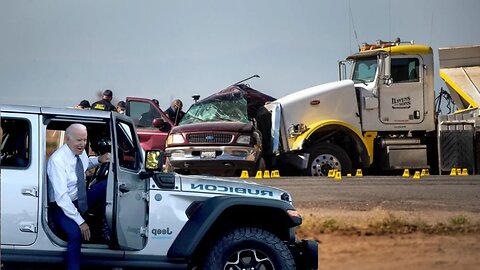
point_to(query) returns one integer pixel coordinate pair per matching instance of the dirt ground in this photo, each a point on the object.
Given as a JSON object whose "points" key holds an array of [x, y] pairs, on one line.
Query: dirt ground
{"points": [[413, 251], [354, 243]]}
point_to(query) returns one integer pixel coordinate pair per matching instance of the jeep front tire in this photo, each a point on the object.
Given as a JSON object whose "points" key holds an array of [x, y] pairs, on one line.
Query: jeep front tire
{"points": [[249, 248]]}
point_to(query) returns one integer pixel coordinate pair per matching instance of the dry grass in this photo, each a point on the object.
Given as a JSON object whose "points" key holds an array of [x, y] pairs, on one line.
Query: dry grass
{"points": [[380, 222]]}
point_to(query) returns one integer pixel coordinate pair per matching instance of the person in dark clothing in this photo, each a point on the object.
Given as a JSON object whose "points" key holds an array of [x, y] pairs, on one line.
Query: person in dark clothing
{"points": [[174, 112], [121, 105], [84, 105], [105, 104], [147, 117]]}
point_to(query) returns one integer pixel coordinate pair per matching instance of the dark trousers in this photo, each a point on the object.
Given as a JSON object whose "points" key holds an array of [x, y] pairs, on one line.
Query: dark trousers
{"points": [[96, 196]]}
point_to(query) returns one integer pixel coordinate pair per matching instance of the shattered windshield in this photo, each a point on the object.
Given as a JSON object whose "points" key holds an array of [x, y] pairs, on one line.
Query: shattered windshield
{"points": [[234, 110], [365, 70]]}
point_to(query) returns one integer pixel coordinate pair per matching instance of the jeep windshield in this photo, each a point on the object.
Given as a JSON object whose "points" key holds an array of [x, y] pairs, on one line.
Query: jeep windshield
{"points": [[227, 108]]}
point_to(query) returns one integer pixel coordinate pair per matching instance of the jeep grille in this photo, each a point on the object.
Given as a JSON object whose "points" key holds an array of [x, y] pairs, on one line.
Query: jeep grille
{"points": [[220, 138]]}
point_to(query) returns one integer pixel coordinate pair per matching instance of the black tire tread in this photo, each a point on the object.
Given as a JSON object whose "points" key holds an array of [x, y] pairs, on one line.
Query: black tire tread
{"points": [[250, 233]]}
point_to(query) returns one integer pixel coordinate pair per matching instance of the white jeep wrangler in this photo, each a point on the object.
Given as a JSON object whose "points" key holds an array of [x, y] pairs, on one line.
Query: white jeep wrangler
{"points": [[154, 219]]}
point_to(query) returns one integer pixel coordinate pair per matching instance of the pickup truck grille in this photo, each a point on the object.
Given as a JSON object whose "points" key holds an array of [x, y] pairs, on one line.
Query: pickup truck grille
{"points": [[210, 138]]}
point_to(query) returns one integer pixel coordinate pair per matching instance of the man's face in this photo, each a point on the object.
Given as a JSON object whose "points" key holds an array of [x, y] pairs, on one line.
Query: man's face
{"points": [[77, 141], [177, 106]]}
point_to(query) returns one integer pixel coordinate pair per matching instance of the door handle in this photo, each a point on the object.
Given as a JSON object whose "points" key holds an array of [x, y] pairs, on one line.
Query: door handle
{"points": [[28, 227], [123, 188], [30, 191]]}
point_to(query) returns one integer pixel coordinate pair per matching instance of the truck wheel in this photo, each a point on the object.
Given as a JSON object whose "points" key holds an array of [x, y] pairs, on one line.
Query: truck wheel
{"points": [[325, 157], [249, 248]]}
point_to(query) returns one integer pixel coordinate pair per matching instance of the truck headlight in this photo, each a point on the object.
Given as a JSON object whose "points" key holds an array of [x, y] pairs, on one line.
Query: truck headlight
{"points": [[296, 129], [175, 138], [243, 139]]}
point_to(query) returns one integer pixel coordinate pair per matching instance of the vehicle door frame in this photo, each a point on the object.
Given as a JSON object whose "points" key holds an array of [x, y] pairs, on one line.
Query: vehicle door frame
{"points": [[23, 221], [127, 194], [149, 137], [409, 99]]}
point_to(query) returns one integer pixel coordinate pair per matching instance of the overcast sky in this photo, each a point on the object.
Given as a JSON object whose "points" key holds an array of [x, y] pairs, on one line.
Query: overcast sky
{"points": [[56, 52]]}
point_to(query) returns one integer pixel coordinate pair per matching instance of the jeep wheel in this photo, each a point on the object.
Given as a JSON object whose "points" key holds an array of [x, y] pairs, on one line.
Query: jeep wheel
{"points": [[325, 157], [249, 248]]}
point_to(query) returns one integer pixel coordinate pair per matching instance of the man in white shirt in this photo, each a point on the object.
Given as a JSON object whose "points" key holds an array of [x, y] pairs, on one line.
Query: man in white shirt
{"points": [[67, 193]]}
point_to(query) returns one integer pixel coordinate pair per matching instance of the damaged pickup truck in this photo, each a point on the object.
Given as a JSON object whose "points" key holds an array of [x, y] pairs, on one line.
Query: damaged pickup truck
{"points": [[219, 134]]}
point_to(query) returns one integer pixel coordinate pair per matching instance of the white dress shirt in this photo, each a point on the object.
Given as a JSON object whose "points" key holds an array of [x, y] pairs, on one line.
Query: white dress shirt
{"points": [[62, 180]]}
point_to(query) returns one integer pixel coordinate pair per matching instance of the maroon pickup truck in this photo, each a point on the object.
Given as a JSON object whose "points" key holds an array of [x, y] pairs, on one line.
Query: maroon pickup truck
{"points": [[218, 135], [151, 122]]}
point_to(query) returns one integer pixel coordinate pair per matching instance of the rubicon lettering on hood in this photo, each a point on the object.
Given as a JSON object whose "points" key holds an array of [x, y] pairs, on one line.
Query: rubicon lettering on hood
{"points": [[235, 190]]}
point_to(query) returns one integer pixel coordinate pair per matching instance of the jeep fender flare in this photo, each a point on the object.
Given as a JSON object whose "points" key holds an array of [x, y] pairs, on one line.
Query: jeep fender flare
{"points": [[210, 211]]}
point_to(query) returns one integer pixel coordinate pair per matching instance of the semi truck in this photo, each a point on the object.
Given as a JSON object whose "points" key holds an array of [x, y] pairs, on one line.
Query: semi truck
{"points": [[380, 116]]}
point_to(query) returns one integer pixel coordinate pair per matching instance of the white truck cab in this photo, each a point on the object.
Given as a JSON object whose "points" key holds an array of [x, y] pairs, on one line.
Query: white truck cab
{"points": [[155, 219], [395, 84], [380, 116]]}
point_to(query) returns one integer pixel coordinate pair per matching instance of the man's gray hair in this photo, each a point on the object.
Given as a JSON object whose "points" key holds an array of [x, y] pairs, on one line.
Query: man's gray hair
{"points": [[74, 127]]}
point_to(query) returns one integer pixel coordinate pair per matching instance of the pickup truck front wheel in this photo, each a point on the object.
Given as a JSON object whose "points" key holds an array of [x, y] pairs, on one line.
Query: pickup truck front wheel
{"points": [[249, 248], [325, 157]]}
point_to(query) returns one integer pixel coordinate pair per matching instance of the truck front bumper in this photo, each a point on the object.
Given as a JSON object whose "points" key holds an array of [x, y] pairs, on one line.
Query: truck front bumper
{"points": [[213, 158]]}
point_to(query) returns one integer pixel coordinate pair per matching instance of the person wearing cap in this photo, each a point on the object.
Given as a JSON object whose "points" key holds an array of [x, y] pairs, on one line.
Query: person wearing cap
{"points": [[105, 104], [148, 116], [121, 107], [84, 105]]}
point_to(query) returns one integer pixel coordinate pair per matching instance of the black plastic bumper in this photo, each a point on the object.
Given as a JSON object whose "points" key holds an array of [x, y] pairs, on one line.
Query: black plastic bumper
{"points": [[305, 253]]}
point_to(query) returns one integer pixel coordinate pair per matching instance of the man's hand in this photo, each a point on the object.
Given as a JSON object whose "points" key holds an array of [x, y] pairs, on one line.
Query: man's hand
{"points": [[85, 230], [104, 158]]}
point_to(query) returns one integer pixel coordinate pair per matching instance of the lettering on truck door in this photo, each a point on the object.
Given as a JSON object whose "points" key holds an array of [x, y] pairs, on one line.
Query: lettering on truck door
{"points": [[402, 102]]}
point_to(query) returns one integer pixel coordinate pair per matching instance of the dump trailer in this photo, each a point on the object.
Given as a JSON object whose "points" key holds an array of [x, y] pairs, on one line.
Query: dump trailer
{"points": [[458, 133], [381, 116]]}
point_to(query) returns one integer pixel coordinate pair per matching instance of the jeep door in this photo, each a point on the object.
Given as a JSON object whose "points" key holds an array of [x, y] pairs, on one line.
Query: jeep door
{"points": [[126, 208], [19, 178]]}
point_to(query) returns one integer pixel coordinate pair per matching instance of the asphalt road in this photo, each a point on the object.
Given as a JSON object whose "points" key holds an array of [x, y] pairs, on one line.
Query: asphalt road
{"points": [[446, 193]]}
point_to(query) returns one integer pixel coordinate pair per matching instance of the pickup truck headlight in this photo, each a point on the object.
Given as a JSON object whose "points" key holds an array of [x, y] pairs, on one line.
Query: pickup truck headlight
{"points": [[175, 138], [243, 139]]}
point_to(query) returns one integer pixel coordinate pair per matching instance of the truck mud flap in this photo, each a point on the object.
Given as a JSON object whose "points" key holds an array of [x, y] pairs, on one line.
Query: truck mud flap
{"points": [[457, 148]]}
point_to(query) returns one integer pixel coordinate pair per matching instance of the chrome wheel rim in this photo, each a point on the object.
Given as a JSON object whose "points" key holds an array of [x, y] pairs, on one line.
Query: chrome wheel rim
{"points": [[249, 259], [324, 163]]}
